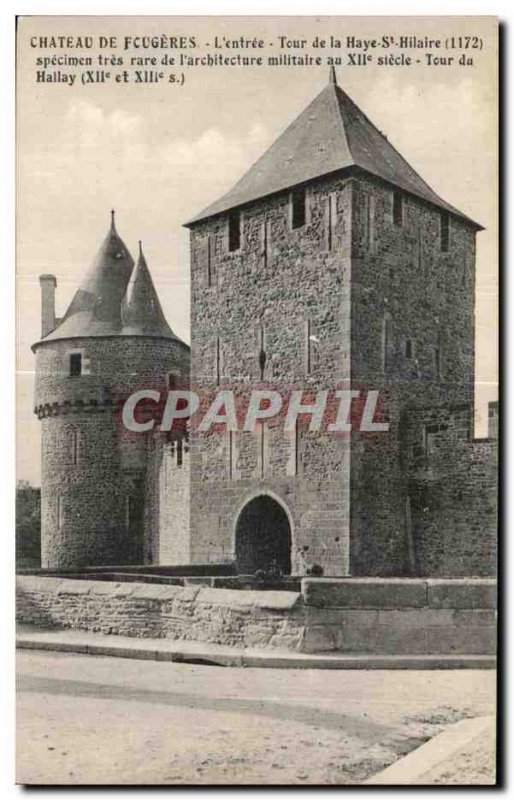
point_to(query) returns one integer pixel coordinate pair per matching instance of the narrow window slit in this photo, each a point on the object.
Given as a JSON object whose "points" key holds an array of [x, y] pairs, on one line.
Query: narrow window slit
{"points": [[296, 446], [330, 222], [74, 448], [298, 208], [265, 240], [262, 352], [59, 511], [209, 263], [234, 231], [445, 231], [398, 209], [369, 222], [218, 361], [263, 449], [308, 336]]}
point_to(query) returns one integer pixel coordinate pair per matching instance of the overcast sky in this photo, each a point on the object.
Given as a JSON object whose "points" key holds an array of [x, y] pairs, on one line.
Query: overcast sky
{"points": [[159, 154]]}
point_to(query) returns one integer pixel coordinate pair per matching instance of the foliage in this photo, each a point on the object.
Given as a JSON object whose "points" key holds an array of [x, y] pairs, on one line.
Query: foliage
{"points": [[28, 525]]}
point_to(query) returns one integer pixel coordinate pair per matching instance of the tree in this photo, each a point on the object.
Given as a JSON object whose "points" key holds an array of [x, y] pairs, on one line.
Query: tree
{"points": [[28, 525]]}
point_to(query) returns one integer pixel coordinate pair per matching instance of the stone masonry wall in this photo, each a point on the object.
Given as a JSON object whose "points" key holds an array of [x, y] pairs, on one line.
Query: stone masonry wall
{"points": [[413, 341], [282, 288], [410, 616], [377, 616], [112, 366], [93, 469], [222, 616], [387, 310], [453, 492], [167, 508]]}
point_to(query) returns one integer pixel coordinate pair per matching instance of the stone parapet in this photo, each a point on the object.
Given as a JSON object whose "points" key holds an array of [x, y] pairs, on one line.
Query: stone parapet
{"points": [[357, 616], [387, 616]]}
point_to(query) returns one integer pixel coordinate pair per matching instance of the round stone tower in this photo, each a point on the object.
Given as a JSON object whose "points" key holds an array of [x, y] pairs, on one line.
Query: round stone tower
{"points": [[113, 340]]}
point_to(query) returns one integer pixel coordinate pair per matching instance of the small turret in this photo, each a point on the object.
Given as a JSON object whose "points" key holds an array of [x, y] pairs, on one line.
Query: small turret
{"points": [[141, 311]]}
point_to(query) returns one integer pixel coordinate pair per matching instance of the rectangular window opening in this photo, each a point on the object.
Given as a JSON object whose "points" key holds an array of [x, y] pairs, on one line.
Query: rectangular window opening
{"points": [[234, 231], [298, 208], [398, 209], [445, 231], [75, 364], [408, 348]]}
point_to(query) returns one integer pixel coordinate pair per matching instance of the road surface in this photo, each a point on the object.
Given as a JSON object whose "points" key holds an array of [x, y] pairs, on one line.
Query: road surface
{"points": [[86, 720]]}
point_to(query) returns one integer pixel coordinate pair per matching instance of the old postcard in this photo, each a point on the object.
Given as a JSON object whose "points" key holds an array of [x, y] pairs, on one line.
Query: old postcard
{"points": [[257, 414]]}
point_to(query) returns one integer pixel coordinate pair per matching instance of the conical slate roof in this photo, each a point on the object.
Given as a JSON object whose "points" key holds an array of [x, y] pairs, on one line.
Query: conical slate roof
{"points": [[109, 302], [141, 311], [331, 134]]}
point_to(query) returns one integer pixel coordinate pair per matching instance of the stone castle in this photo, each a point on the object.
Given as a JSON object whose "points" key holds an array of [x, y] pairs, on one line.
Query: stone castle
{"points": [[330, 264]]}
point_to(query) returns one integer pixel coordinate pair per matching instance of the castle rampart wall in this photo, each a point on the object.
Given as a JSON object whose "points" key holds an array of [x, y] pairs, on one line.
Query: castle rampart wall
{"points": [[453, 493]]}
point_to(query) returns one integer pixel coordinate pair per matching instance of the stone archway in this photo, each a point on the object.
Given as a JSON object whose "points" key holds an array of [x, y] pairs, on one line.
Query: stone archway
{"points": [[263, 537]]}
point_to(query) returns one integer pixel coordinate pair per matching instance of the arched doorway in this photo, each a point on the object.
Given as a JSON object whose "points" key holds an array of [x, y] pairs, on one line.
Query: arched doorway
{"points": [[263, 537]]}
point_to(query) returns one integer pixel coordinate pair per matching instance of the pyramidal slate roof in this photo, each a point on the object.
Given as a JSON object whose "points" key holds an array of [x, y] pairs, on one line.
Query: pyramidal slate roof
{"points": [[331, 134], [114, 299]]}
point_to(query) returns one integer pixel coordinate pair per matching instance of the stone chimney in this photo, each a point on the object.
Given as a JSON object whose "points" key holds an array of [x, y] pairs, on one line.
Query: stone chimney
{"points": [[48, 321]]}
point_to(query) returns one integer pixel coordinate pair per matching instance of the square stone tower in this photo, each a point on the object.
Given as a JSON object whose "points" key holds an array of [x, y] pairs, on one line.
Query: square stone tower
{"points": [[330, 265]]}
